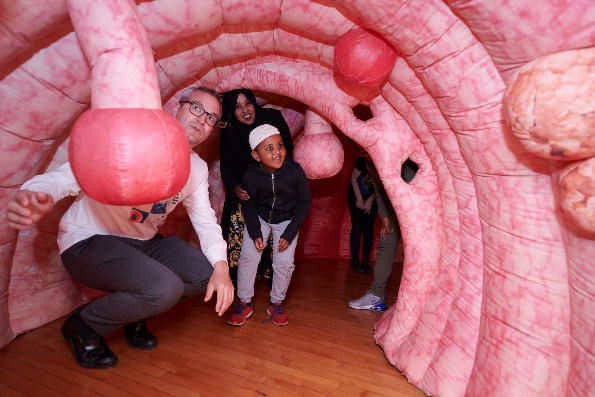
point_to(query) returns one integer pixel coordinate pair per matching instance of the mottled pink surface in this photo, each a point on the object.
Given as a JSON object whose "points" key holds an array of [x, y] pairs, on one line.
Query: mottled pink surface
{"points": [[117, 48], [550, 105], [577, 194], [497, 296], [319, 151]]}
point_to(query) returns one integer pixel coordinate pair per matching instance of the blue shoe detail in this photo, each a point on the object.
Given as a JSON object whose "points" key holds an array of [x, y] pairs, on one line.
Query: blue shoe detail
{"points": [[379, 307]]}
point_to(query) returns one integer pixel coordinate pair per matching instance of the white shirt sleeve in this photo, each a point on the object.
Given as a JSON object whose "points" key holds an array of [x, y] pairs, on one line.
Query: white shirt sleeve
{"points": [[201, 213], [59, 183]]}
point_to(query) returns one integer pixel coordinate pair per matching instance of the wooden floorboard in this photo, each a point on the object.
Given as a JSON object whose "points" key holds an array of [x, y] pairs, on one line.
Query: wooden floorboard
{"points": [[327, 349]]}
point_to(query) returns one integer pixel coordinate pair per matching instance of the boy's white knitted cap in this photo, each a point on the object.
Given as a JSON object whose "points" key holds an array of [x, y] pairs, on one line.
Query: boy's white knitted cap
{"points": [[261, 133]]}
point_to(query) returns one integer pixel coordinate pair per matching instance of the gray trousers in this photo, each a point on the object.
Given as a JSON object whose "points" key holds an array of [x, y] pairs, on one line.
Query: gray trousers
{"points": [[385, 258], [144, 278], [283, 264]]}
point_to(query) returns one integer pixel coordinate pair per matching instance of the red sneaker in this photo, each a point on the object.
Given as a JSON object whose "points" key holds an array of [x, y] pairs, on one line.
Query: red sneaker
{"points": [[277, 313], [243, 311]]}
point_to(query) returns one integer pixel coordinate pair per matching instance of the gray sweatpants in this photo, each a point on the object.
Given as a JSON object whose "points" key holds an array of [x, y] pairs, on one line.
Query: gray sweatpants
{"points": [[385, 258], [143, 278], [283, 264]]}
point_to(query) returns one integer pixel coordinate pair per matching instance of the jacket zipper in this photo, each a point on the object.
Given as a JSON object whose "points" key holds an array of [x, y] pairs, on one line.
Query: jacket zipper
{"points": [[274, 197]]}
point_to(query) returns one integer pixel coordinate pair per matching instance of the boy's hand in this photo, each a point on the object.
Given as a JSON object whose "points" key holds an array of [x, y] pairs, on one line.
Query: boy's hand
{"points": [[259, 244], [283, 244], [28, 207]]}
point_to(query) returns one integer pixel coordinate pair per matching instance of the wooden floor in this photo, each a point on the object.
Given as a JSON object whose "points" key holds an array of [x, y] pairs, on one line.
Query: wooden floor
{"points": [[327, 349]]}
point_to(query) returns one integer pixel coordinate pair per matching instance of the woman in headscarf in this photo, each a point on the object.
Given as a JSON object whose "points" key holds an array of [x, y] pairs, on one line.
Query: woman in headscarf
{"points": [[241, 114]]}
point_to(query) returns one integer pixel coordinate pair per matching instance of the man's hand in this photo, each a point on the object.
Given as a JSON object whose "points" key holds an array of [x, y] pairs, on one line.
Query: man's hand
{"points": [[385, 227], [283, 244], [259, 244], [221, 283], [28, 207]]}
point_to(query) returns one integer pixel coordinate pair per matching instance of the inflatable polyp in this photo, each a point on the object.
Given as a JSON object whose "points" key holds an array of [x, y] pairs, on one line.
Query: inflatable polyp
{"points": [[550, 105], [129, 156], [320, 155], [577, 194], [364, 58]]}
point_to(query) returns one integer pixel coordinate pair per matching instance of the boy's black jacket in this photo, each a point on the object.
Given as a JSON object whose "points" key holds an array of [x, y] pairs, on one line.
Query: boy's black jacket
{"points": [[276, 197]]}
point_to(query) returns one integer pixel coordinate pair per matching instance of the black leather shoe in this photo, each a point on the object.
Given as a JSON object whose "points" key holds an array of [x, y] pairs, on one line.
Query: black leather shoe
{"points": [[88, 348], [139, 336]]}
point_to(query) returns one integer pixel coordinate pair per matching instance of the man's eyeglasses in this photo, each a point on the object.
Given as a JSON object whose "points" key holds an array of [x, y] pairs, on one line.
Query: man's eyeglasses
{"points": [[197, 110]]}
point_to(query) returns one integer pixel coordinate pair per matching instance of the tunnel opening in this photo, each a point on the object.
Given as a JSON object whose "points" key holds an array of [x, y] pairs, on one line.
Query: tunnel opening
{"points": [[362, 112], [409, 170]]}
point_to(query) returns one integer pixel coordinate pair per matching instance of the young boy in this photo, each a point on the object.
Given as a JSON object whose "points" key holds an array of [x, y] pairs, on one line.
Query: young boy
{"points": [[279, 200]]}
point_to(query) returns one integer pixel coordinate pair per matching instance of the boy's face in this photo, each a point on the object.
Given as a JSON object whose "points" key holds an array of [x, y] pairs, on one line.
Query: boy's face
{"points": [[270, 153]]}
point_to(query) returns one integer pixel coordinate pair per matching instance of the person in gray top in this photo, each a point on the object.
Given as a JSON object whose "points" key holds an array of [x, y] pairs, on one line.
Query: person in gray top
{"points": [[390, 234]]}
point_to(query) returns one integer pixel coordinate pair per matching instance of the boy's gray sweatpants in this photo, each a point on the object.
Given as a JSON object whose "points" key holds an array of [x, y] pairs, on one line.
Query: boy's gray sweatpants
{"points": [[283, 263]]}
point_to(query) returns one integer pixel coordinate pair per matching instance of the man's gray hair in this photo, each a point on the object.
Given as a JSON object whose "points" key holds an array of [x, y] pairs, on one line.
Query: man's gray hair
{"points": [[187, 93]]}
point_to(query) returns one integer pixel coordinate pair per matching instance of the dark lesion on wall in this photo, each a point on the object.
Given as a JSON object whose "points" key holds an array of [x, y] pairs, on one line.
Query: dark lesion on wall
{"points": [[409, 169], [362, 112]]}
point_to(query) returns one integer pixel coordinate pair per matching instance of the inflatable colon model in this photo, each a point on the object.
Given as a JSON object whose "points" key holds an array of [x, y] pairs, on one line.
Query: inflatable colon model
{"points": [[143, 151], [495, 104]]}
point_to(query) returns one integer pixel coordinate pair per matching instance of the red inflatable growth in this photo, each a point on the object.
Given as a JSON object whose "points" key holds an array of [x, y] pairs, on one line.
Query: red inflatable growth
{"points": [[364, 58], [142, 154]]}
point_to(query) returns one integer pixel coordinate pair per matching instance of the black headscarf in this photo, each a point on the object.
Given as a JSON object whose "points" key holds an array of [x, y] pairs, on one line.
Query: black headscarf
{"points": [[235, 130], [229, 102], [261, 116]]}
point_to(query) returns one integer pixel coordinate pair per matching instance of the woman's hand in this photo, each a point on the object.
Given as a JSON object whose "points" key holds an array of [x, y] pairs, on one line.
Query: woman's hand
{"points": [[368, 204], [359, 203], [241, 193]]}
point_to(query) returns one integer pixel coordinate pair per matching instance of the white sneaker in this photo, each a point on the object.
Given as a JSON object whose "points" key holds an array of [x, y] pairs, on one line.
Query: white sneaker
{"points": [[370, 302]]}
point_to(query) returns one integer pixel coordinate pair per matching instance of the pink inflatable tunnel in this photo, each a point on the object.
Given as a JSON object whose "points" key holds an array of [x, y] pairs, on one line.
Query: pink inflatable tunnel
{"points": [[493, 100]]}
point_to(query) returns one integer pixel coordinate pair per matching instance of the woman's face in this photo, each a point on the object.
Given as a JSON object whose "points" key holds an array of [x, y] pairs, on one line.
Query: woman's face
{"points": [[245, 110]]}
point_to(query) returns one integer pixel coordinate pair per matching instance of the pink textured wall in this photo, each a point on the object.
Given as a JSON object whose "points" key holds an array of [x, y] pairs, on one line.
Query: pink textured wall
{"points": [[494, 101]]}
